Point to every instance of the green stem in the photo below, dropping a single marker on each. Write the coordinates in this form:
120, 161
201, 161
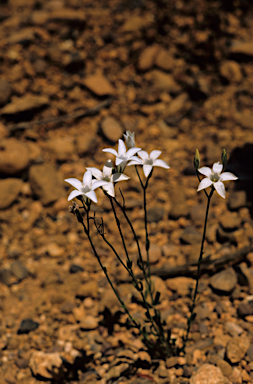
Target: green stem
199, 266
144, 187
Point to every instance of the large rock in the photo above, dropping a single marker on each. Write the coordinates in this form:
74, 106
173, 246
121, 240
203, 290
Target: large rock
99, 85
45, 183
224, 281
9, 191
208, 374
111, 129
164, 81
147, 57
23, 104
237, 348
46, 365
14, 157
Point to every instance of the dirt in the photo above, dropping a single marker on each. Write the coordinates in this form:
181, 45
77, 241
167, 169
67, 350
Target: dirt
74, 76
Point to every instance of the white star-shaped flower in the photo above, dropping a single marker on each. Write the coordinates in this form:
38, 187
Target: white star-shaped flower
108, 177
85, 188
215, 177
149, 161
129, 139
122, 156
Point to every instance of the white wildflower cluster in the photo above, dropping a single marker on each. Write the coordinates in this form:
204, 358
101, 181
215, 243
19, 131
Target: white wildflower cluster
111, 174
128, 154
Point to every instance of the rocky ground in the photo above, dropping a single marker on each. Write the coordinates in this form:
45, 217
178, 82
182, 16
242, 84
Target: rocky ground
75, 75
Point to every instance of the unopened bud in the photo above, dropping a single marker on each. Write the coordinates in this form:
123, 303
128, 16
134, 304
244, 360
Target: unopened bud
224, 158
196, 160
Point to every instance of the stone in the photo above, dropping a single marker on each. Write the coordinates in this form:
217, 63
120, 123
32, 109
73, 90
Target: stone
24, 104
89, 322
54, 250
164, 81
233, 329
14, 157
155, 214
135, 23
26, 326
224, 281
225, 367
230, 221
237, 200
245, 309
190, 236
155, 253
23, 36
242, 48
5, 91
181, 285
46, 365
9, 191
68, 15
164, 60
116, 372
63, 148
208, 374
112, 129
248, 275
19, 270
177, 105
45, 183
74, 268
89, 289
237, 348
5, 276
147, 57
231, 71
99, 85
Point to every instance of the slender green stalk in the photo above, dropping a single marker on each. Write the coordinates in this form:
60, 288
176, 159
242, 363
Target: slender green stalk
87, 232
190, 319
144, 188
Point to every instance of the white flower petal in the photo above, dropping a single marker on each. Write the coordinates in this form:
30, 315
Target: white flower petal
154, 154
206, 171
107, 171
205, 183
134, 162
220, 188
160, 163
118, 160
132, 151
121, 148
119, 177
147, 169
109, 188
98, 183
110, 150
87, 178
217, 167
143, 155
74, 194
92, 196
226, 176
75, 183
96, 173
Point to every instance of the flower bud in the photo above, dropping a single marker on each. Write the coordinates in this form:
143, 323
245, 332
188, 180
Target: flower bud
196, 160
129, 139
224, 158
